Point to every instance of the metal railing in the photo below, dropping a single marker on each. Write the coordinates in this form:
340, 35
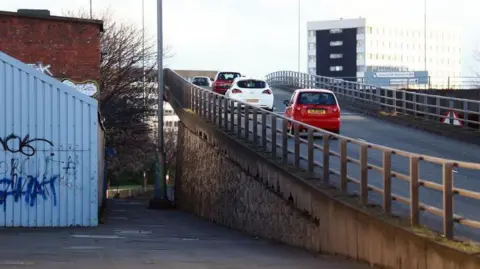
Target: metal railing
271, 133
431, 83
426, 106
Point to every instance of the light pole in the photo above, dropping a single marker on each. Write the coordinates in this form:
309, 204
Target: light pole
160, 201
143, 57
425, 33
143, 78
91, 13
298, 36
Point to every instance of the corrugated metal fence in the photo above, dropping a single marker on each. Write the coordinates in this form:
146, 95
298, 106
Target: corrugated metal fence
48, 150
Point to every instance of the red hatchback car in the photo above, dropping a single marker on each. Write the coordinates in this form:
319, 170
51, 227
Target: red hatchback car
315, 107
223, 81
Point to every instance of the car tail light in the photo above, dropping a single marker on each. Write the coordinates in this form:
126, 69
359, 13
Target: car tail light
335, 109
267, 91
236, 91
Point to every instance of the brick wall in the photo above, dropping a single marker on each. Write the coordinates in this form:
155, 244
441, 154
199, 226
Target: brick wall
72, 49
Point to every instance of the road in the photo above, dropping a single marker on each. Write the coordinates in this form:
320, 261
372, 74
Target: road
380, 132
369, 129
135, 237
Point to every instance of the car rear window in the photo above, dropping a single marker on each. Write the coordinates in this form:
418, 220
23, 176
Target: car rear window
228, 76
316, 98
200, 80
251, 84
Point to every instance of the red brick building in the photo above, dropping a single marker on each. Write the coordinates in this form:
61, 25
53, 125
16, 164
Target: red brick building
69, 46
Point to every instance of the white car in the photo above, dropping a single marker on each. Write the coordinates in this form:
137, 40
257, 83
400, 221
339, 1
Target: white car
255, 92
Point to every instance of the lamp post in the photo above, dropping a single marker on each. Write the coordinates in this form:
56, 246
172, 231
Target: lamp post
91, 13
143, 56
160, 200
298, 45
425, 33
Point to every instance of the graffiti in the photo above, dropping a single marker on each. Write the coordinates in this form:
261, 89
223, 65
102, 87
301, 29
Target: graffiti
16, 184
34, 180
89, 87
45, 69
28, 178
14, 144
71, 166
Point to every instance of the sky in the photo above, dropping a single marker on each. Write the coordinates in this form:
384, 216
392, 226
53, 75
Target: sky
257, 37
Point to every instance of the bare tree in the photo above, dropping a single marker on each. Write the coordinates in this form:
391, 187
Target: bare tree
123, 104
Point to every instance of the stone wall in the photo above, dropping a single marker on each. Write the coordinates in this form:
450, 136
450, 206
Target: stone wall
227, 182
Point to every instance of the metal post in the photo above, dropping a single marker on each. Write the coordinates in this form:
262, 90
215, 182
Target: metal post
364, 174
425, 33
414, 192
387, 182
160, 189
448, 220
299, 36
143, 57
91, 13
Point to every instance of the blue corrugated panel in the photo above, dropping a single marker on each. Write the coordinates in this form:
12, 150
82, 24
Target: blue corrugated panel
48, 150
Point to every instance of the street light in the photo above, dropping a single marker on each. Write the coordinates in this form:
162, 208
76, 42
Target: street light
425, 33
91, 13
160, 200
143, 56
298, 36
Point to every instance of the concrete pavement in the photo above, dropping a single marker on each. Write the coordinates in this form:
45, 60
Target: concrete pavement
135, 237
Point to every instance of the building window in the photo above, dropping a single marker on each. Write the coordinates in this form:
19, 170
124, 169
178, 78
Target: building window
359, 43
336, 43
359, 56
336, 56
335, 31
361, 30
336, 68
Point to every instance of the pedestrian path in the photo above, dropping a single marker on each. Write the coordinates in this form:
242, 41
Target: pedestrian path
135, 237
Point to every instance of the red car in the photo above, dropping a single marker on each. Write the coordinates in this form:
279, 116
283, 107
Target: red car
223, 80
315, 107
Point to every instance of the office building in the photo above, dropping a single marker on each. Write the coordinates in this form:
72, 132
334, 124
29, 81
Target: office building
382, 53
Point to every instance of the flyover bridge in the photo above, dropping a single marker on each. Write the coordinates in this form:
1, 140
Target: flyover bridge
405, 178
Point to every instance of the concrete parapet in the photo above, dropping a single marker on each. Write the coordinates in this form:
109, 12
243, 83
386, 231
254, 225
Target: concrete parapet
231, 183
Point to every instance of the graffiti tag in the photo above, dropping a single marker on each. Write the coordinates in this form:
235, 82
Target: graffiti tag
45, 69
31, 187
22, 177
14, 144
90, 88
